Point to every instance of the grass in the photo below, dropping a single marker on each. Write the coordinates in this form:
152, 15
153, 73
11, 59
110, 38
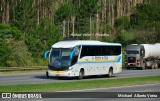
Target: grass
82, 84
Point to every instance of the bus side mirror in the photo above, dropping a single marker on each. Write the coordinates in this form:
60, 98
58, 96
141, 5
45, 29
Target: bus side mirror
72, 53
45, 54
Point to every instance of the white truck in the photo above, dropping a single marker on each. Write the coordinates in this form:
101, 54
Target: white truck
142, 56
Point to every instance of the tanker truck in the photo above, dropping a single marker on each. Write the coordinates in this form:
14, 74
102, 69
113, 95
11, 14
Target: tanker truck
142, 56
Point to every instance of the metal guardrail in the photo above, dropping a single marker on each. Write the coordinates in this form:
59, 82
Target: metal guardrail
3, 69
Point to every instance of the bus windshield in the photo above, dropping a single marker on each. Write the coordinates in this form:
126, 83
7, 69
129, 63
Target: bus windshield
60, 57
132, 52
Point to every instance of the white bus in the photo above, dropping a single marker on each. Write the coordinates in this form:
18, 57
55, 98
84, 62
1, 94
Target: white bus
81, 58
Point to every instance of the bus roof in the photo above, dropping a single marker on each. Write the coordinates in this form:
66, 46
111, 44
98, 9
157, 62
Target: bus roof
69, 44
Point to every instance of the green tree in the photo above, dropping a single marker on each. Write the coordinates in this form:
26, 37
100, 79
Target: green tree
13, 51
46, 34
65, 11
146, 21
86, 9
122, 23
25, 16
4, 52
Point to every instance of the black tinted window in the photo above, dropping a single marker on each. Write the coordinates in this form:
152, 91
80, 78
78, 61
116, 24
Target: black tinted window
100, 50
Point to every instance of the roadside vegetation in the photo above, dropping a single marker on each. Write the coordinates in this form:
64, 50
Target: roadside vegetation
79, 85
29, 27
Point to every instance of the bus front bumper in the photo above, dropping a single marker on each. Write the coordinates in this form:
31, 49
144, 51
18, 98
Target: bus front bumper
54, 73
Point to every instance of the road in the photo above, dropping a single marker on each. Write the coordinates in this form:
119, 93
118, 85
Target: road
39, 77
104, 94
138, 89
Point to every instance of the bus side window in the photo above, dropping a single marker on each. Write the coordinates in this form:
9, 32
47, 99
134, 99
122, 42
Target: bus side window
75, 56
112, 50
84, 51
117, 50
74, 60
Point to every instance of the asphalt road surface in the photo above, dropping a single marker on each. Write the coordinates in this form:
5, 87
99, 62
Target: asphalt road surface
100, 94
138, 89
40, 77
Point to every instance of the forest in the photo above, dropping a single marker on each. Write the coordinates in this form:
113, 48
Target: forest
29, 27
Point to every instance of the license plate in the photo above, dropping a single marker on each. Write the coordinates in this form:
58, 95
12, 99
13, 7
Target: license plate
57, 74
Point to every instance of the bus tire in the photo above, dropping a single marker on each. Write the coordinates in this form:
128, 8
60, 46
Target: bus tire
81, 74
47, 74
152, 66
155, 65
110, 73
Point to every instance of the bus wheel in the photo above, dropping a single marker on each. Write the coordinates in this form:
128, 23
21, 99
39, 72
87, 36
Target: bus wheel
155, 65
81, 74
110, 73
47, 75
152, 66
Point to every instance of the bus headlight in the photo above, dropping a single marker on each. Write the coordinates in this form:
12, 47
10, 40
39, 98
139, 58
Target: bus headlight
70, 68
